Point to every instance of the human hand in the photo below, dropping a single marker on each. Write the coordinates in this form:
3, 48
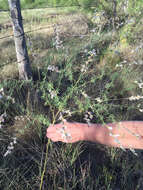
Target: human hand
67, 132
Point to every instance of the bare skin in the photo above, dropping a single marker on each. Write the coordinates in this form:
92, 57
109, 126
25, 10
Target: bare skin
126, 134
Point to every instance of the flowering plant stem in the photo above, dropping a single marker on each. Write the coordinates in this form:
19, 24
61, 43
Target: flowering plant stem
47, 148
45, 163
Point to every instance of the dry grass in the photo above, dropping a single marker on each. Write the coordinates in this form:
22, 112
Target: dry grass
41, 23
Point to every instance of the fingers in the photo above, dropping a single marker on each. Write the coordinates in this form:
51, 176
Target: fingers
53, 135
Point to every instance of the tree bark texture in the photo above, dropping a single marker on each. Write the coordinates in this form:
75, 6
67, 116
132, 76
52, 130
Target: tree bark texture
20, 42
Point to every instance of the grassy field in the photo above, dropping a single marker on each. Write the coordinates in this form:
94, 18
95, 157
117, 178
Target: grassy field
80, 65
47, 3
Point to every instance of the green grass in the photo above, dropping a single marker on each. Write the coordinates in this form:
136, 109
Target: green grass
35, 161
38, 4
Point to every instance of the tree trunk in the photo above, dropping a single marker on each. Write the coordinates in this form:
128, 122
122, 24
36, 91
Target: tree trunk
19, 39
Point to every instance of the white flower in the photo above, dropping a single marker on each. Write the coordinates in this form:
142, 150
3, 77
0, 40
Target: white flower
2, 90
52, 93
58, 43
88, 117
11, 144
7, 152
13, 100
133, 151
65, 135
85, 51
52, 68
99, 100
84, 68
14, 140
93, 30
67, 112
2, 117
135, 97
10, 147
93, 52
119, 65
61, 118
140, 85
85, 95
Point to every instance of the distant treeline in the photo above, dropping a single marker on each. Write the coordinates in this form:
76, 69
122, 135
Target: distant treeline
50, 3
112, 8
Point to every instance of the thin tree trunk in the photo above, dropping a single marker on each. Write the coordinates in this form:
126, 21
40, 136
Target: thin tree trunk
20, 42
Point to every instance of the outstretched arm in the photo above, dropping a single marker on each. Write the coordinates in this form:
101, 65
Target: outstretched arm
128, 134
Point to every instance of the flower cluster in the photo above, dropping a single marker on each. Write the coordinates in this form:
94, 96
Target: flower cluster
93, 30
10, 98
85, 95
53, 93
121, 64
30, 45
68, 112
90, 54
61, 115
135, 98
140, 84
2, 119
99, 100
63, 131
2, 95
53, 68
11, 146
140, 62
58, 43
98, 17
133, 151
84, 68
65, 135
88, 117
21, 118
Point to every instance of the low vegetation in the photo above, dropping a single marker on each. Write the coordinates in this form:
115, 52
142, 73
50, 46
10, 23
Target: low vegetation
87, 67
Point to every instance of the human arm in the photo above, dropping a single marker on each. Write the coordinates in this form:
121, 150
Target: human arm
128, 134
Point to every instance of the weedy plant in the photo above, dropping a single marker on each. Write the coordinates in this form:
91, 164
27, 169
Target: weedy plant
94, 82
